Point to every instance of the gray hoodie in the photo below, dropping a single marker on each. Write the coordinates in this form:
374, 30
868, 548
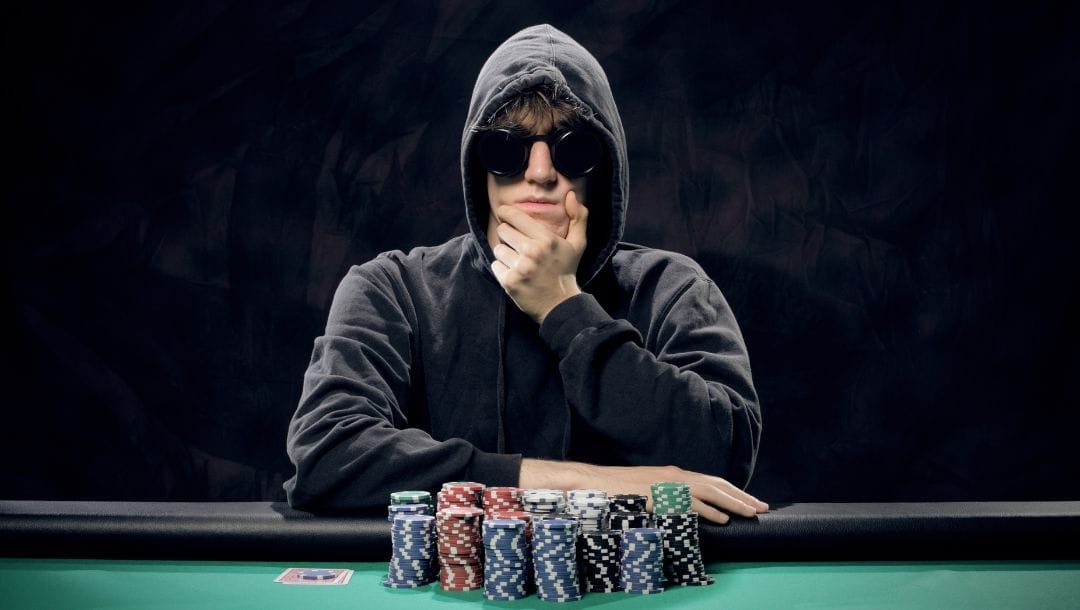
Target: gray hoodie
428, 373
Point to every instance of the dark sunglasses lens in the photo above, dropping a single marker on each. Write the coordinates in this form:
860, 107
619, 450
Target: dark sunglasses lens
577, 153
502, 153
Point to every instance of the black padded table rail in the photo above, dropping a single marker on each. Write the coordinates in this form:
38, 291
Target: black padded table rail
797, 532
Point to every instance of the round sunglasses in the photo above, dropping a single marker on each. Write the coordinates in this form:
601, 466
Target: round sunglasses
574, 152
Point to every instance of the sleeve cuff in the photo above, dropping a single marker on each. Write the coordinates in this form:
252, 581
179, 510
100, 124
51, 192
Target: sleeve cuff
569, 318
495, 469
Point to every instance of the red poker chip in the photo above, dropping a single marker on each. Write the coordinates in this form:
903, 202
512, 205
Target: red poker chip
469, 485
460, 542
462, 588
463, 569
459, 535
458, 561
460, 512
514, 514
459, 551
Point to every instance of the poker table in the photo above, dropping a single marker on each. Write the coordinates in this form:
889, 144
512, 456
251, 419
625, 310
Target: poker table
227, 555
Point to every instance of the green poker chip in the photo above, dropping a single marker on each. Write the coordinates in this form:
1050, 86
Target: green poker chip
410, 497
670, 498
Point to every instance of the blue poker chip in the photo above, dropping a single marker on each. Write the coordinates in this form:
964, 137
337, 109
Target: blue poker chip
314, 574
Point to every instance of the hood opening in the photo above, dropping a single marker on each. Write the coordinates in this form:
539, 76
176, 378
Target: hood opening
536, 56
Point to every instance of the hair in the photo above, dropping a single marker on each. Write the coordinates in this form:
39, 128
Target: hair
539, 108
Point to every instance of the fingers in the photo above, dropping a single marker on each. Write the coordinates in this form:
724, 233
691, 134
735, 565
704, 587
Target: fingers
738, 494
709, 513
506, 255
579, 216
517, 219
512, 237
715, 497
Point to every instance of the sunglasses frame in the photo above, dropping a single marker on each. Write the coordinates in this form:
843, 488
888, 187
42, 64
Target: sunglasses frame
553, 140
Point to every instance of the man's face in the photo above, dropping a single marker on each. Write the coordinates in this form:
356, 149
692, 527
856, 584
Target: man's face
540, 190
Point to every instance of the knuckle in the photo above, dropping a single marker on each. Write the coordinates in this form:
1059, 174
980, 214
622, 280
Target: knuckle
526, 267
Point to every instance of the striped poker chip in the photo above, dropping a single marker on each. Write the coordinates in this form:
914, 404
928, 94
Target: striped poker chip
589, 507
671, 498
642, 561
555, 559
497, 499
599, 558
413, 557
460, 547
625, 520
506, 567
405, 509
629, 503
683, 564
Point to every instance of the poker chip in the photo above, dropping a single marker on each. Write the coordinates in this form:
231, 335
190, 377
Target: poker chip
629, 503
512, 543
671, 498
406, 509
506, 559
554, 554
314, 574
460, 546
622, 520
589, 507
459, 493
683, 564
413, 497
501, 499
543, 503
413, 560
642, 560
599, 559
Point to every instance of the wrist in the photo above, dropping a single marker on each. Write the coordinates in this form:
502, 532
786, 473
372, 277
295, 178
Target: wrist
551, 474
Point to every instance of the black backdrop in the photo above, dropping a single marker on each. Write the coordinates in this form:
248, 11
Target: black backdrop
884, 193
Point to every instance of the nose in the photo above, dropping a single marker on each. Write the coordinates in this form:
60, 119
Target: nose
540, 169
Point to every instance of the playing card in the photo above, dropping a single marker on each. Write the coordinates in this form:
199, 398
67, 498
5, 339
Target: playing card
315, 576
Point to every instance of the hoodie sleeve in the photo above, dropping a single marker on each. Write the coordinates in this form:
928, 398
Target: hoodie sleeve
687, 401
350, 438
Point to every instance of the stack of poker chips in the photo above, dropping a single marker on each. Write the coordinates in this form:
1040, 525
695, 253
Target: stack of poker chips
413, 561
683, 564
589, 507
460, 493
682, 549
505, 566
460, 548
599, 555
527, 519
500, 500
543, 503
629, 503
642, 560
628, 511
671, 498
555, 560
413, 497
405, 509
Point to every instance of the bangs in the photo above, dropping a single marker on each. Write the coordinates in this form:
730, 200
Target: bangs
538, 110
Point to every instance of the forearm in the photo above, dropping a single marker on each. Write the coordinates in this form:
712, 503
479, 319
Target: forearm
696, 408
711, 495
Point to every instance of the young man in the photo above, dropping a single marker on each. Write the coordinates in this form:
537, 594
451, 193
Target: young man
538, 350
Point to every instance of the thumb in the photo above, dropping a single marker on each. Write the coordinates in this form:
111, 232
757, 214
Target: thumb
579, 215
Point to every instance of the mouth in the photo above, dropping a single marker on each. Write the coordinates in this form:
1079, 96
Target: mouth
537, 201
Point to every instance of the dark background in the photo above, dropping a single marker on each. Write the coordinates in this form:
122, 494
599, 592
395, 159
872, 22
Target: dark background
884, 193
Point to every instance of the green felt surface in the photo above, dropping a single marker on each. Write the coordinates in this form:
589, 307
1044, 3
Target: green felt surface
73, 583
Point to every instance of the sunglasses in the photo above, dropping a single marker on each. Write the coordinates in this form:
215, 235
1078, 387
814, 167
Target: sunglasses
574, 152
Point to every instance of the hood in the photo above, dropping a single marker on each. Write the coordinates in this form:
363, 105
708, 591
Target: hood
537, 55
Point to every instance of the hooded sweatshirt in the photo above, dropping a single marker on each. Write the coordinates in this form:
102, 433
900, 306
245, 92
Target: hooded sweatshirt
427, 371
